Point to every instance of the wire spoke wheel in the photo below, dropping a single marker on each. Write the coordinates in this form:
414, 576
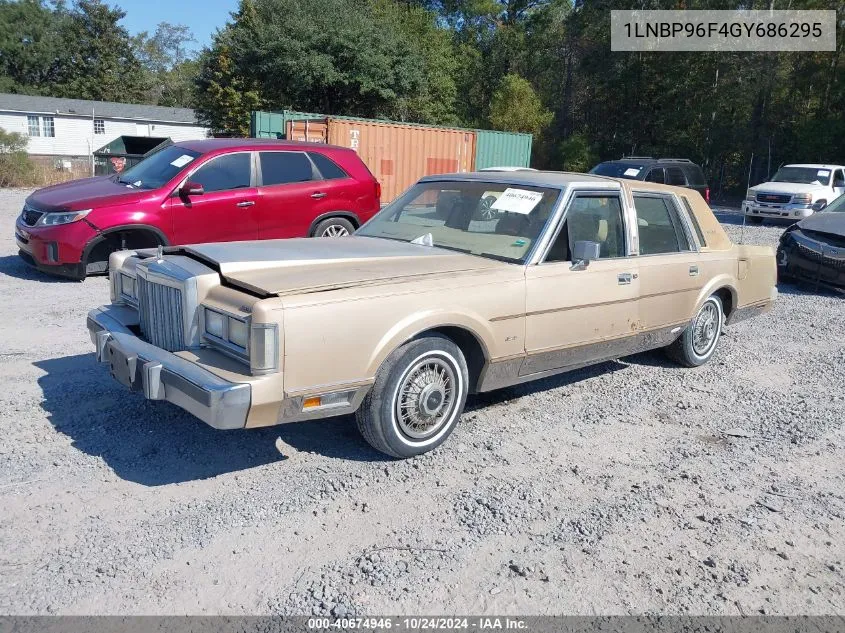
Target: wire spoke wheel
335, 230
705, 329
425, 399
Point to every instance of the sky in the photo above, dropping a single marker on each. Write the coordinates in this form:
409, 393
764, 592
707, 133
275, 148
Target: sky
203, 17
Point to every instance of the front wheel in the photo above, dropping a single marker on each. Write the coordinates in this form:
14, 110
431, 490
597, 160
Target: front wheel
752, 219
417, 398
698, 342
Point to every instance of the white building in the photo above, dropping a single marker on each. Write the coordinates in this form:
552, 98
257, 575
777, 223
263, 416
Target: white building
63, 133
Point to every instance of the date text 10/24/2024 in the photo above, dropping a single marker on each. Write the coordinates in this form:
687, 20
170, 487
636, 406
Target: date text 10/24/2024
419, 623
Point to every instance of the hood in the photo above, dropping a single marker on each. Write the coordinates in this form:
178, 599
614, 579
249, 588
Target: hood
786, 187
832, 223
86, 193
283, 267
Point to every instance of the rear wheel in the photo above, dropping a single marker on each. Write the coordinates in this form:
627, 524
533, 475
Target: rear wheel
417, 398
698, 342
334, 227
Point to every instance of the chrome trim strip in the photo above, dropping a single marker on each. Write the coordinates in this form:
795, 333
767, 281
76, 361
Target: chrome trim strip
499, 374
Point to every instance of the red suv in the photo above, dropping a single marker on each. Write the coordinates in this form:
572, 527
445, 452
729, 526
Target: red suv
214, 190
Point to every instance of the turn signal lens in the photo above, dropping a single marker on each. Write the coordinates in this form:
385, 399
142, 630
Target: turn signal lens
310, 403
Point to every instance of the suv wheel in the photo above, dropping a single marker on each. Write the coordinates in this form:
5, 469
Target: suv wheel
334, 227
417, 398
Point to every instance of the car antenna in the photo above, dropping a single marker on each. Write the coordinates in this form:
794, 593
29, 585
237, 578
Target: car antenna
744, 215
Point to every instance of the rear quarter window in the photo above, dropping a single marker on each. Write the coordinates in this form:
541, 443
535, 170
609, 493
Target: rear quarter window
695, 176
694, 220
675, 176
328, 169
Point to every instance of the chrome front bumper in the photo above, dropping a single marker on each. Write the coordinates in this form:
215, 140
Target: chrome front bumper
789, 210
161, 375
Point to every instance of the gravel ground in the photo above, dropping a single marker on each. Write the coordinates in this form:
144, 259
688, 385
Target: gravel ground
612, 490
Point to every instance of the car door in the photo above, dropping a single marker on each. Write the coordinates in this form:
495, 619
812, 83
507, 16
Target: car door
292, 194
670, 272
225, 210
577, 316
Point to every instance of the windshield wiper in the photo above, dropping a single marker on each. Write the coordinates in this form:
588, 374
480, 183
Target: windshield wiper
125, 182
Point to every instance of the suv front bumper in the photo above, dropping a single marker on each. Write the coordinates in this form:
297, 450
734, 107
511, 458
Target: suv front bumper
162, 375
789, 210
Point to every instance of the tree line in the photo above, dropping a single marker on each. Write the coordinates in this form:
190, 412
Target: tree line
538, 66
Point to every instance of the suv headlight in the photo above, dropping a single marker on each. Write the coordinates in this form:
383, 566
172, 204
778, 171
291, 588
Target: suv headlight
803, 198
750, 195
56, 219
256, 344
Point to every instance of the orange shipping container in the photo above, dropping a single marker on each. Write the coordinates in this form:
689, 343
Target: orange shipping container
397, 154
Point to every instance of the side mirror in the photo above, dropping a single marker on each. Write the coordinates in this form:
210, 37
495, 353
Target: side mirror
191, 189
583, 252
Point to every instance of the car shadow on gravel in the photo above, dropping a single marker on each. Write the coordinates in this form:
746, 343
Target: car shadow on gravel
156, 443
14, 266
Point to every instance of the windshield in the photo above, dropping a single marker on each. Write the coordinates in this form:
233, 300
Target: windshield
159, 168
803, 175
630, 171
493, 220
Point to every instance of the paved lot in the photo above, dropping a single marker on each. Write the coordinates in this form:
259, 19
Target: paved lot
611, 490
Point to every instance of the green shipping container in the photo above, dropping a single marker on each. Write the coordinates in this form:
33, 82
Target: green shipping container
502, 149
493, 149
273, 124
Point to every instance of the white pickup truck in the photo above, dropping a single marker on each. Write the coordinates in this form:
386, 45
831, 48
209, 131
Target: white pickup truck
795, 192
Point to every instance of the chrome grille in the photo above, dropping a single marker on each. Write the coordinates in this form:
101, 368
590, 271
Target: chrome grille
30, 216
160, 312
776, 198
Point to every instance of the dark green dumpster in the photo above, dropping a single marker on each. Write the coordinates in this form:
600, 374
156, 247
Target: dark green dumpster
125, 151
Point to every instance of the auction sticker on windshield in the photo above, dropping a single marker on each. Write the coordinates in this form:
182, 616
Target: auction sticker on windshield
632, 171
517, 201
183, 160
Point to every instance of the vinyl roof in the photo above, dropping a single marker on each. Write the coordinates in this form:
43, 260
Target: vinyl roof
559, 179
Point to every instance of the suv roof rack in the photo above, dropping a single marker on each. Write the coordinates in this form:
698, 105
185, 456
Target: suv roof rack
636, 158
674, 160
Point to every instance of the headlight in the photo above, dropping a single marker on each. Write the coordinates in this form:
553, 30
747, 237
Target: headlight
55, 219
254, 343
750, 195
803, 198
215, 324
127, 286
238, 332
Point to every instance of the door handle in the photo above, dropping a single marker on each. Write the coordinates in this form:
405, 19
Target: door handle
245, 203
624, 278
693, 271
319, 194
